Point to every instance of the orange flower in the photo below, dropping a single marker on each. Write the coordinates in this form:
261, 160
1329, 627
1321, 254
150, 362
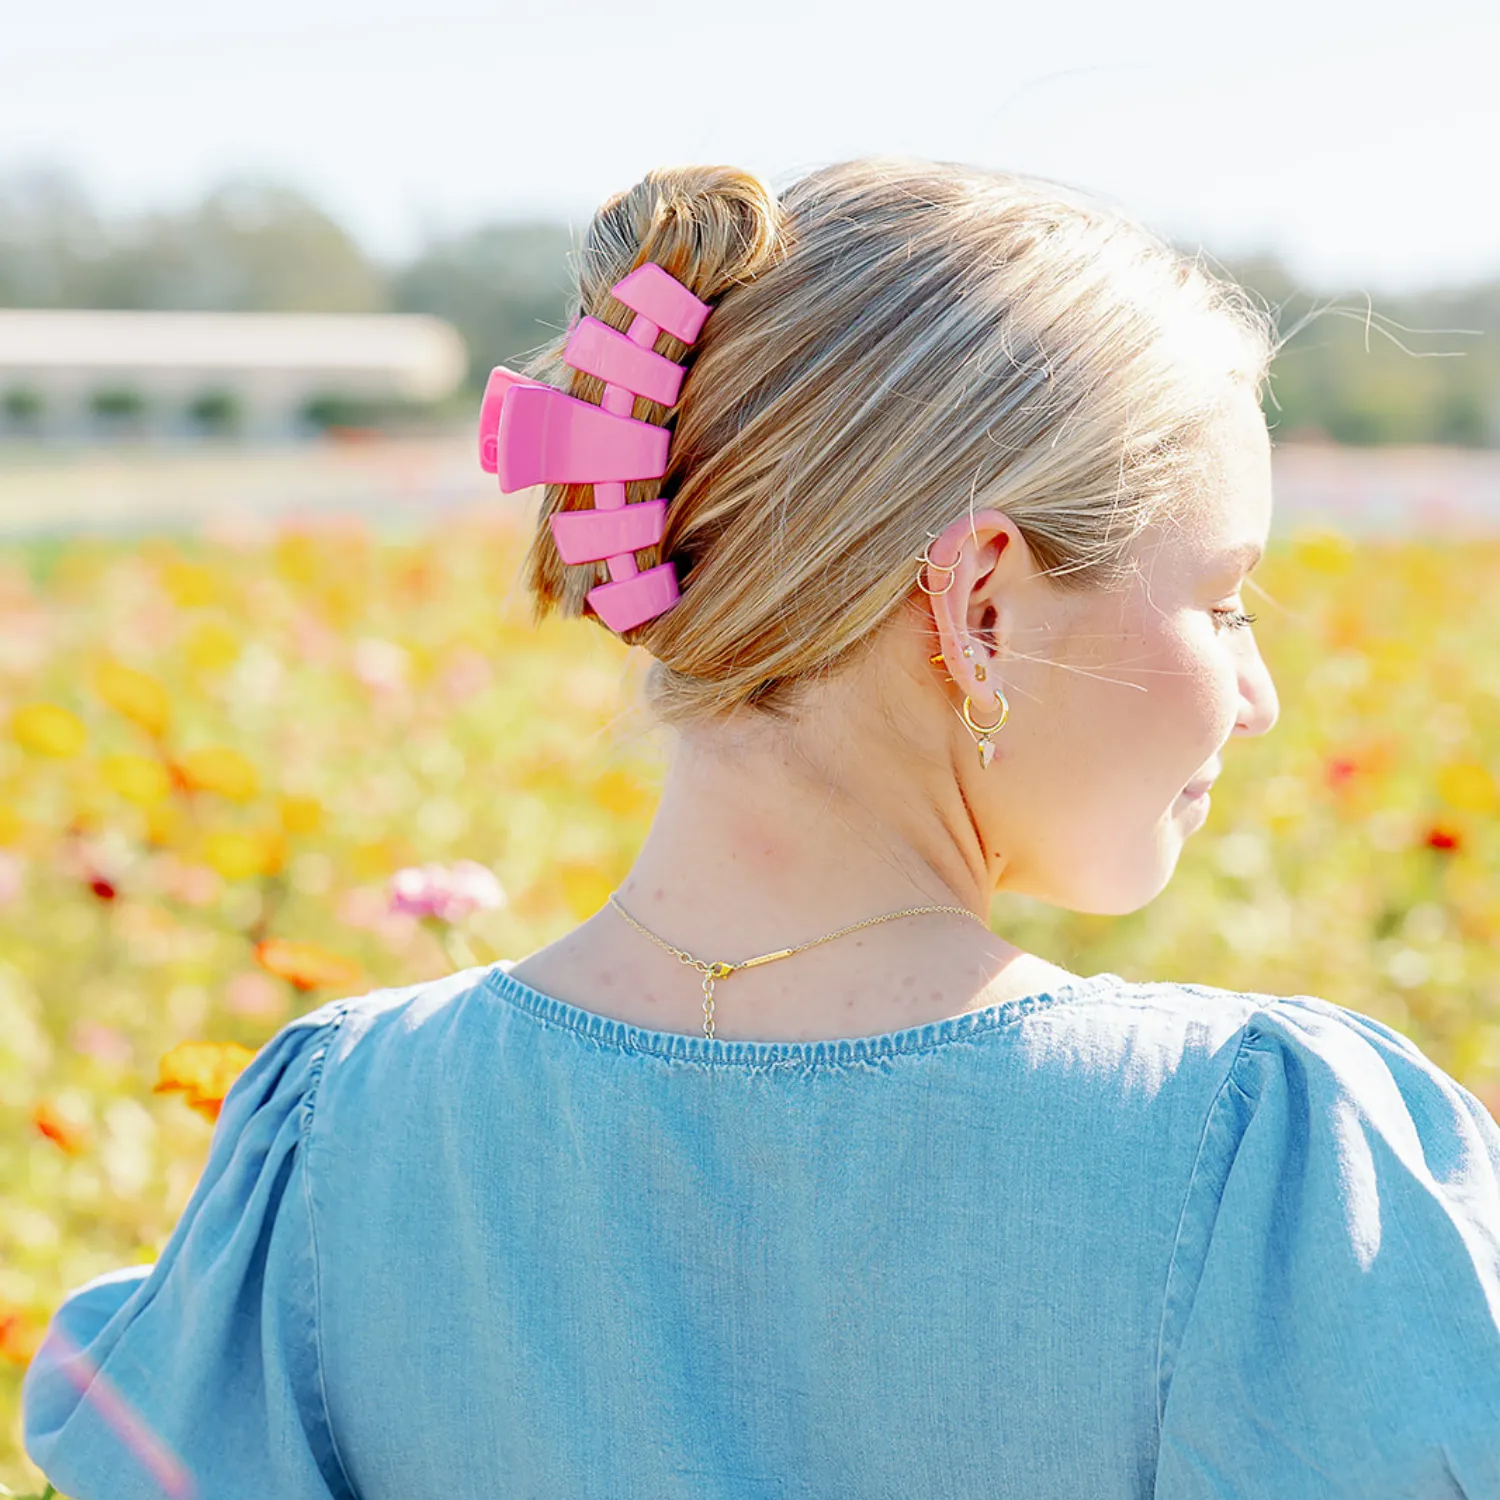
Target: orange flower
70, 1137
139, 697
202, 1072
305, 966
216, 768
20, 1337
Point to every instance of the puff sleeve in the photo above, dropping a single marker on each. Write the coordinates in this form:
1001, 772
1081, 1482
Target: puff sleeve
1331, 1324
199, 1375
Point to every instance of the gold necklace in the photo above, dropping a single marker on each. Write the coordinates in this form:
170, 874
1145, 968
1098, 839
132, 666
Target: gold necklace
721, 970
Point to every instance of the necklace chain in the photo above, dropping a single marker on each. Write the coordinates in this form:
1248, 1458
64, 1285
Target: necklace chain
722, 970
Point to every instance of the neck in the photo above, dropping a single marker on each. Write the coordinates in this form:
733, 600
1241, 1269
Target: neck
756, 847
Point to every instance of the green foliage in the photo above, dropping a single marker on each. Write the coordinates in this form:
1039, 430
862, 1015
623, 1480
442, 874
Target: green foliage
216, 411
248, 246
506, 287
117, 401
22, 404
1421, 368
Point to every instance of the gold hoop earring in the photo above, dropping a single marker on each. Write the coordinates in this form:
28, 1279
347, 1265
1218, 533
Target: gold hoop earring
949, 568
984, 731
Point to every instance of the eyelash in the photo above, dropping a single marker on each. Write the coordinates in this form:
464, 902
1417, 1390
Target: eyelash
1237, 618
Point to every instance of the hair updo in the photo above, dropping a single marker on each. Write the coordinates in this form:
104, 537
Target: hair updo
893, 344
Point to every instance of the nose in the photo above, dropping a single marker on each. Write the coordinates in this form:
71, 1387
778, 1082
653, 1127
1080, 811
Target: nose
1261, 707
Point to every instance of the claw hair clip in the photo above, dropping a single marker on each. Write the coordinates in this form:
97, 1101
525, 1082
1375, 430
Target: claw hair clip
531, 433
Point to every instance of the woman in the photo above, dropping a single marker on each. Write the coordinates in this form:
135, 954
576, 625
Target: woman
965, 480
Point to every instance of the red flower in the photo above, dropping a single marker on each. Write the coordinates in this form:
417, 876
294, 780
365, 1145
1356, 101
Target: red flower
1339, 770
1444, 839
59, 1130
102, 888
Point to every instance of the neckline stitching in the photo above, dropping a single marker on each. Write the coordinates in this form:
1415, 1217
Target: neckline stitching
626, 1036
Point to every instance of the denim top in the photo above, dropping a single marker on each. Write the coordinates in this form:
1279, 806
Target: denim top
1126, 1239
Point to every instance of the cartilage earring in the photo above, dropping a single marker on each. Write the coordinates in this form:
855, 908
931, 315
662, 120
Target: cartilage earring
927, 562
982, 732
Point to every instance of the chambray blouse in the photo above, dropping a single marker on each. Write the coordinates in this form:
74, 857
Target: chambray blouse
1126, 1239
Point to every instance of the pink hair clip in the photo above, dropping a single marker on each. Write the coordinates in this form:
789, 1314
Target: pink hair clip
531, 433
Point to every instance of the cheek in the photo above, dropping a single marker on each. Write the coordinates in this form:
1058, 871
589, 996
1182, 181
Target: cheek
1166, 688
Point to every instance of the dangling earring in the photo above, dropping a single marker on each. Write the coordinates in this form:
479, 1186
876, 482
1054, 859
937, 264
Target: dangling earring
982, 732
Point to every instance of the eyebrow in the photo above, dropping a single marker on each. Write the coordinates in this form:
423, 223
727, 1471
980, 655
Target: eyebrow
1247, 554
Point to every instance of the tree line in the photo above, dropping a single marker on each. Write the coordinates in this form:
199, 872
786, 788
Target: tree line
1417, 368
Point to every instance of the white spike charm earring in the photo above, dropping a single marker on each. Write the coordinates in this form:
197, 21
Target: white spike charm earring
983, 732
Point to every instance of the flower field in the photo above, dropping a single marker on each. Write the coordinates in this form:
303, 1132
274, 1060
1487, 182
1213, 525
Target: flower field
245, 772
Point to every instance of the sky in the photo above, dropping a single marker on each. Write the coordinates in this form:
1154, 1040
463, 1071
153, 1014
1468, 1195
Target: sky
1358, 141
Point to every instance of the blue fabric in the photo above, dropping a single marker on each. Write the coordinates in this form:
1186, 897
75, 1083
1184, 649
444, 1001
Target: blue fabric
1128, 1239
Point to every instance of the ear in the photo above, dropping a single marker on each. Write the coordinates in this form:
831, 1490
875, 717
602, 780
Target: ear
989, 557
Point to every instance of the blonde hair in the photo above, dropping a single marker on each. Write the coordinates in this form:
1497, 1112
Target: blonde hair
894, 344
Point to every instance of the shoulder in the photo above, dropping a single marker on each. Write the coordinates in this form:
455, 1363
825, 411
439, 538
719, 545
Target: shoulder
1243, 1029
1161, 1026
367, 1049
1344, 1185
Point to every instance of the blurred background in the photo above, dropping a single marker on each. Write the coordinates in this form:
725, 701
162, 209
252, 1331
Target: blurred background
275, 726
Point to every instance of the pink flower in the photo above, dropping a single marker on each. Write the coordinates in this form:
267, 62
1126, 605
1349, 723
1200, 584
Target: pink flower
364, 907
449, 893
255, 994
381, 665
192, 884
467, 672
101, 1041
11, 871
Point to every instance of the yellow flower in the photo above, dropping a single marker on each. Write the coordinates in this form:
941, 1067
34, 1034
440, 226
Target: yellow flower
296, 558
1328, 552
586, 888
301, 814
202, 1072
47, 729
141, 698
216, 768
212, 647
239, 855
136, 778
190, 584
621, 794
165, 825
12, 825
374, 859
1469, 787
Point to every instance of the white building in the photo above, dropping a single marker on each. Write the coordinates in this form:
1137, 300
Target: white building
76, 375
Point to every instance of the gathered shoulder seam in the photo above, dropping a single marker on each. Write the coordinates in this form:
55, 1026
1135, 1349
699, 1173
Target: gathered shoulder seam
328, 1032
1173, 1270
